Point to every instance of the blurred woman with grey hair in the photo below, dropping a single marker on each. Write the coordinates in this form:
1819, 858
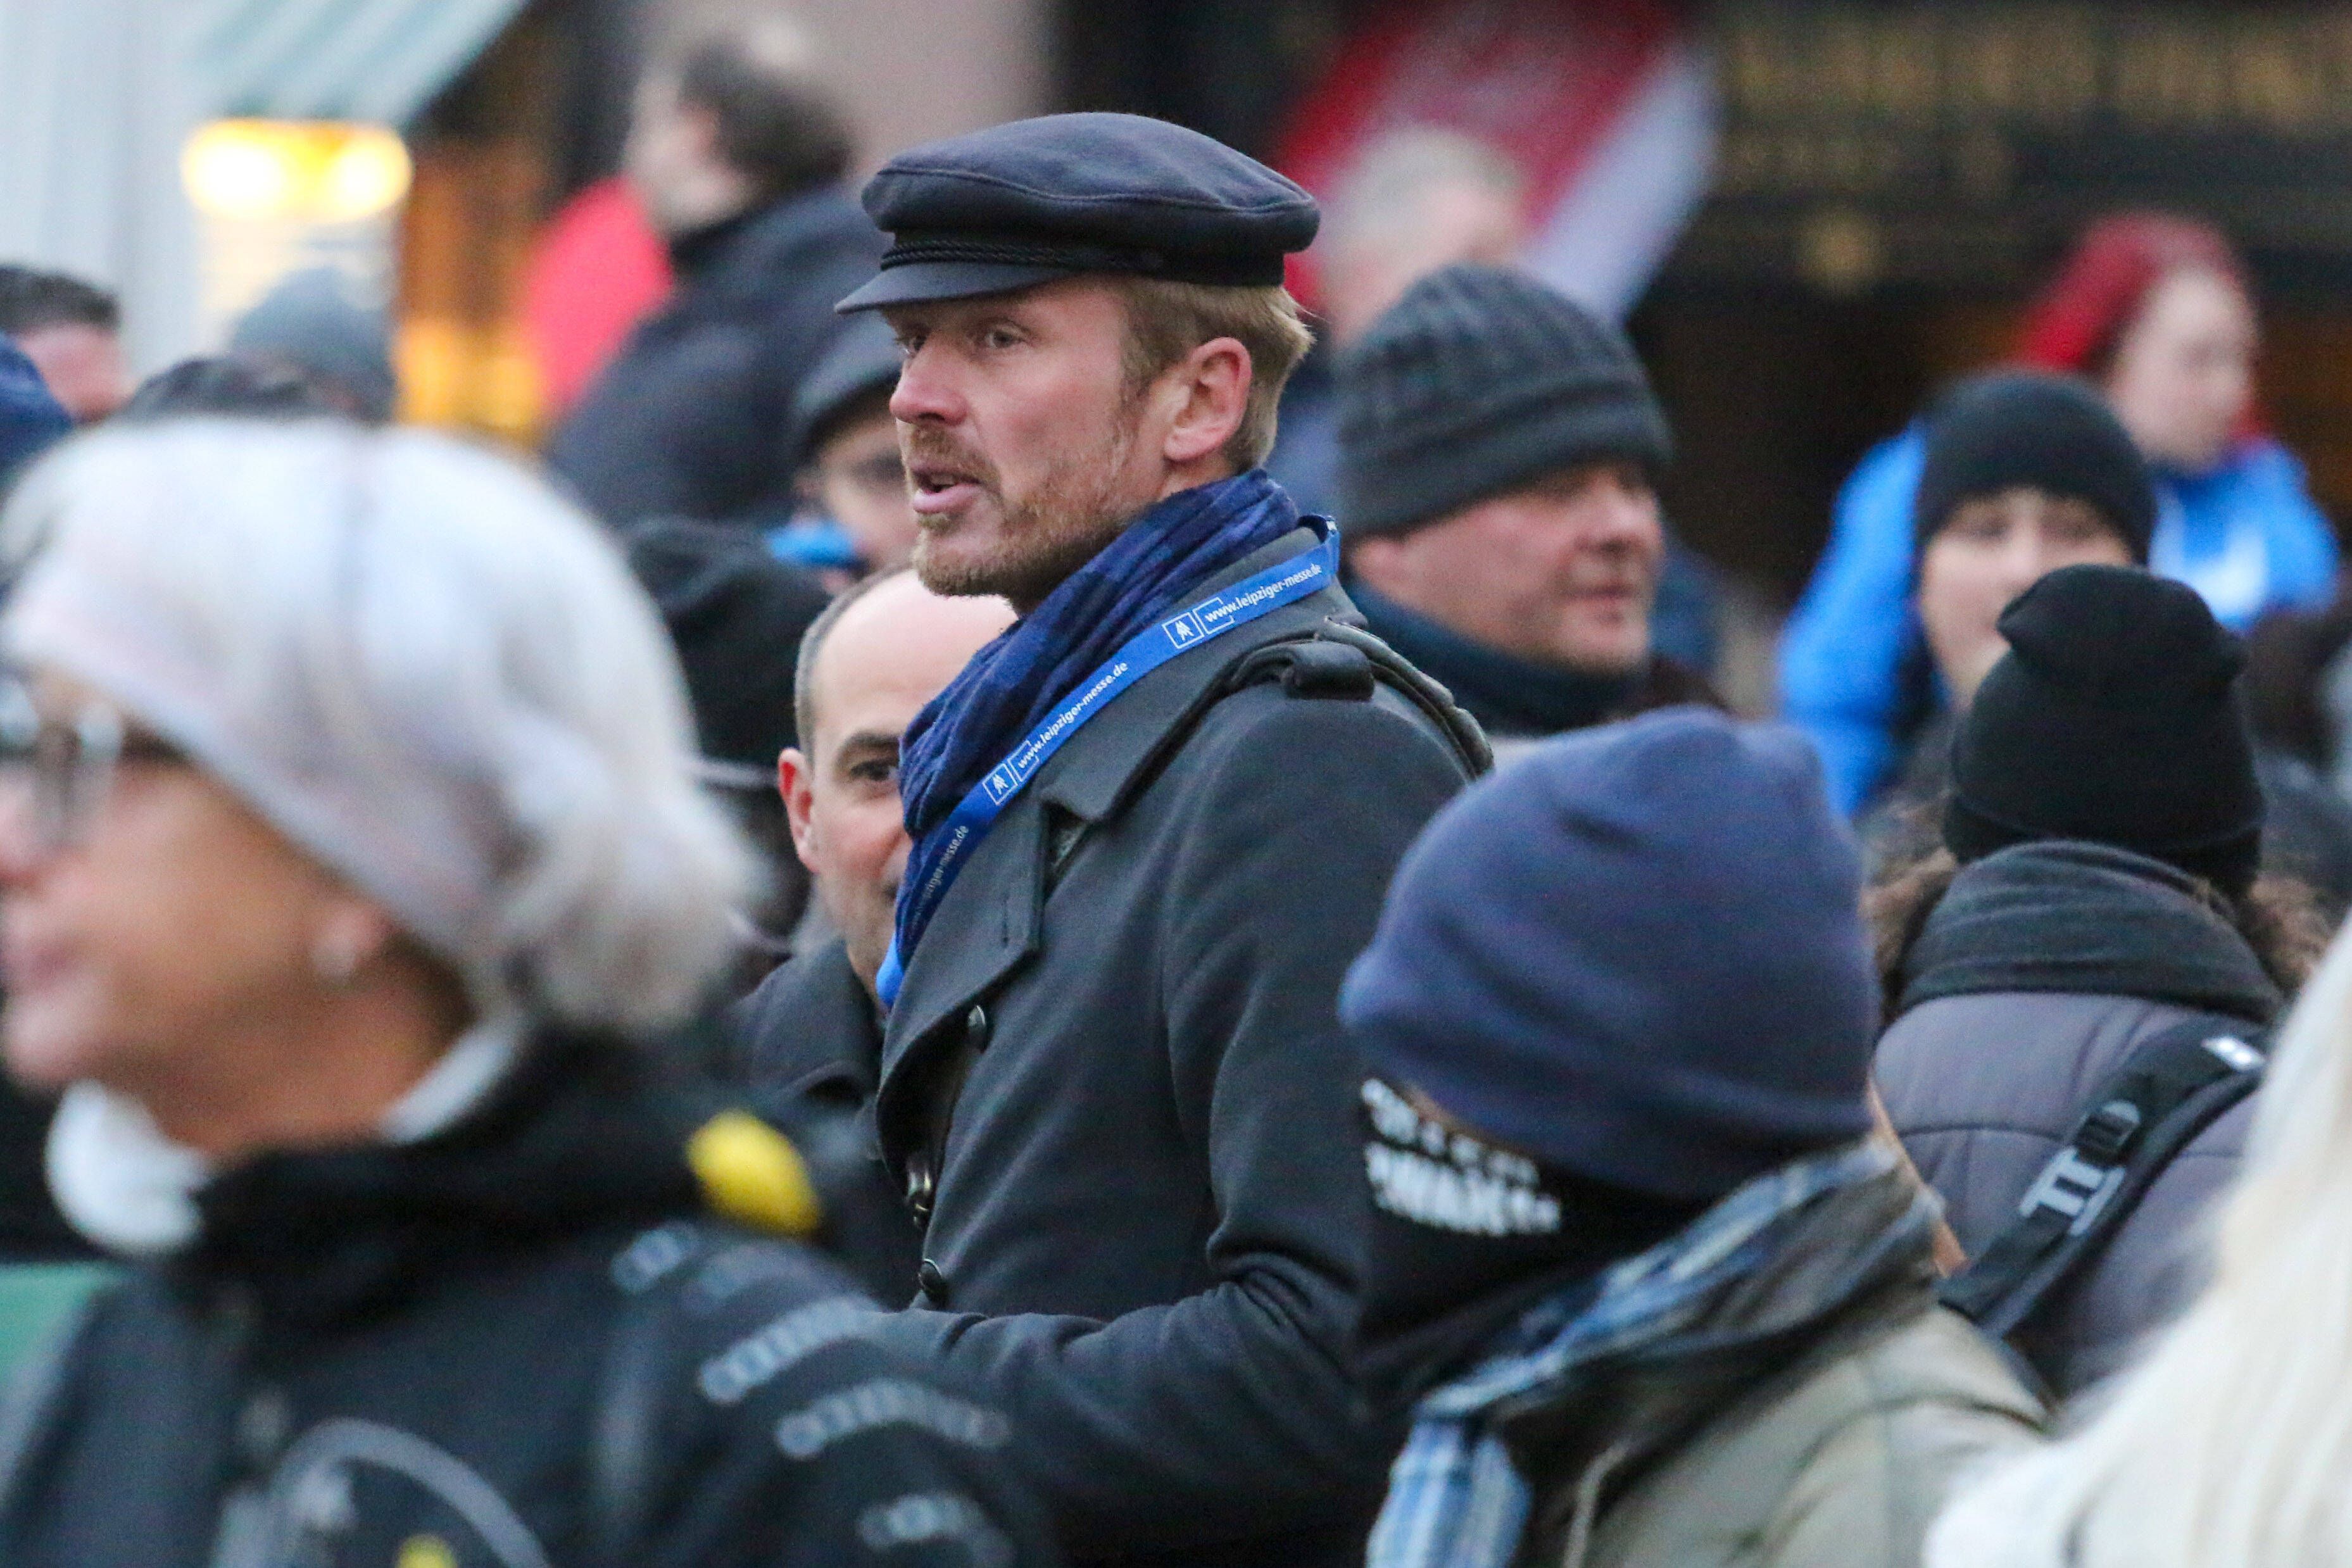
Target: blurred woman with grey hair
351, 877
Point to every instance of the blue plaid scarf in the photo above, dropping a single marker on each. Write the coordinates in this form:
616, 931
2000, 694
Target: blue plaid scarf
1455, 1501
1010, 686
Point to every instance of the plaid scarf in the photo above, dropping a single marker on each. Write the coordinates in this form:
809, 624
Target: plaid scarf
1455, 1501
1011, 686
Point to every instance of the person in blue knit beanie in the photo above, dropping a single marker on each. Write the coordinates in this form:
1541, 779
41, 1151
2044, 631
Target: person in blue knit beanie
1646, 1285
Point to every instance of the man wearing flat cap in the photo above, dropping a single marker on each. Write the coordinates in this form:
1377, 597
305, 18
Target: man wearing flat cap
1151, 825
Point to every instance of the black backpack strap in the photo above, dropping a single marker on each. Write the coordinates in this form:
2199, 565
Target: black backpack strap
1337, 660
2172, 1088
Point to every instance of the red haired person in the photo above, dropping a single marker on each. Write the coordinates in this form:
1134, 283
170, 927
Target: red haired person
2157, 312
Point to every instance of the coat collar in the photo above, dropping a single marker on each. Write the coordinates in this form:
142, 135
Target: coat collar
989, 920
820, 1025
586, 1133
1095, 775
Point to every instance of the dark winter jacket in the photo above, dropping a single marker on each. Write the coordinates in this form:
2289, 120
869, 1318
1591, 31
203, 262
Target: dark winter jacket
1143, 1236
689, 419
1815, 1417
519, 1341
2040, 972
31, 1230
1514, 700
808, 1047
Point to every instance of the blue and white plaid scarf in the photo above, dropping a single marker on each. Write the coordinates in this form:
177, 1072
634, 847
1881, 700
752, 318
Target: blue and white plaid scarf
1455, 1501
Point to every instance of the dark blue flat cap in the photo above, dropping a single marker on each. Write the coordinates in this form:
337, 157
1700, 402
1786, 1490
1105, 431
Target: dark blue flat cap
1064, 194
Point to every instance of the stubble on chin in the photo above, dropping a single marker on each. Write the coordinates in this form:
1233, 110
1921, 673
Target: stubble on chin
1049, 535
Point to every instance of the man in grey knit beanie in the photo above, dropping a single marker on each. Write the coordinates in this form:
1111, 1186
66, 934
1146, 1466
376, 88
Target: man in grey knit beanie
1499, 451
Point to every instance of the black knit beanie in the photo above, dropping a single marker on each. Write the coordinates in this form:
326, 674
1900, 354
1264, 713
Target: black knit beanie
2115, 717
2056, 434
1481, 379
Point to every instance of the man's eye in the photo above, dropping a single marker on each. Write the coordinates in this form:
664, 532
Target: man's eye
1000, 338
874, 772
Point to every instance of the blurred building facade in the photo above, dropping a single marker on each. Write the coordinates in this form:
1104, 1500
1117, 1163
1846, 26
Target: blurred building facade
1816, 210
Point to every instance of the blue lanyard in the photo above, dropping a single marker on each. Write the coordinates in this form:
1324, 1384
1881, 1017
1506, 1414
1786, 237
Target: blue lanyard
1282, 583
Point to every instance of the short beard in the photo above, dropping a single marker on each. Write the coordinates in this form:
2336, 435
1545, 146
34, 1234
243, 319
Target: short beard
1073, 515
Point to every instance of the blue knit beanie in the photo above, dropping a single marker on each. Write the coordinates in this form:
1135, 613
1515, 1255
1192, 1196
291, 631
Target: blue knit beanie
1635, 954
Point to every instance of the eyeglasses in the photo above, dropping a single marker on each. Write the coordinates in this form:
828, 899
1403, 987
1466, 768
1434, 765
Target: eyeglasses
59, 772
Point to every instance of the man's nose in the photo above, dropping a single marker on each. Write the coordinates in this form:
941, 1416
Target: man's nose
1625, 518
925, 389
2031, 557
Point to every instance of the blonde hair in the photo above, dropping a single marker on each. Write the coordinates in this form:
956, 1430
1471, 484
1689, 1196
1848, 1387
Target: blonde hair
424, 668
1167, 320
2229, 1444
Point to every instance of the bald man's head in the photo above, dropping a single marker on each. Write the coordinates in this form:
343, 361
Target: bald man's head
868, 666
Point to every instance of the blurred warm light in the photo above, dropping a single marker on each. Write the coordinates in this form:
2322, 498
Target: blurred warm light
315, 171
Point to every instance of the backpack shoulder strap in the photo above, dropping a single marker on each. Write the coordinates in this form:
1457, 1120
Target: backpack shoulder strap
2174, 1086
1337, 660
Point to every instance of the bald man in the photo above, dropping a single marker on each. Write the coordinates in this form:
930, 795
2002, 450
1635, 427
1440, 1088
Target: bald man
811, 1036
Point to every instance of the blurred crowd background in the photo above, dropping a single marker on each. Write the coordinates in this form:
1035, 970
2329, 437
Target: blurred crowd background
1808, 214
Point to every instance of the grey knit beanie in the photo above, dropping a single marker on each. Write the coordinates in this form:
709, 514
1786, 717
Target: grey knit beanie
1478, 380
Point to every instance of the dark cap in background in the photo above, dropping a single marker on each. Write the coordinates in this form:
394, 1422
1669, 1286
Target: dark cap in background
2013, 429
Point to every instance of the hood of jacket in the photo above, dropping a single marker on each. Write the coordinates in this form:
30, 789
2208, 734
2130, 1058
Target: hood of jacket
583, 1137
2087, 919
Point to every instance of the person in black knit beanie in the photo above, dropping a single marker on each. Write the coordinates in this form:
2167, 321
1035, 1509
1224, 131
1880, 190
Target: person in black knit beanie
2024, 473
2116, 716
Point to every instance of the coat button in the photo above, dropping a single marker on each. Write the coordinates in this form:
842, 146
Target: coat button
975, 1027
933, 1282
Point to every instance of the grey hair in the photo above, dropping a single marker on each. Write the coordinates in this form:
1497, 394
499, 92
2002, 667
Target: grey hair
420, 664
1379, 196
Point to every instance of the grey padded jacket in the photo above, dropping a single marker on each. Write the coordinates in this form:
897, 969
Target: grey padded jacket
2011, 1017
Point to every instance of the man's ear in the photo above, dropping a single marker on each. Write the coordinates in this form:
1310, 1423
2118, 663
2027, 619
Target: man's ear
792, 777
1210, 388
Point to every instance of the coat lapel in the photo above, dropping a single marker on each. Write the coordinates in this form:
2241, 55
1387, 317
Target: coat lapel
990, 921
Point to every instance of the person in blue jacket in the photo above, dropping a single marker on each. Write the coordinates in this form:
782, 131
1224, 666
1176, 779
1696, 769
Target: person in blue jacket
31, 418
2159, 312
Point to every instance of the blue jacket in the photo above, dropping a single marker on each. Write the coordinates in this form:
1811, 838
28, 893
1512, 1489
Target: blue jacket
2245, 535
30, 419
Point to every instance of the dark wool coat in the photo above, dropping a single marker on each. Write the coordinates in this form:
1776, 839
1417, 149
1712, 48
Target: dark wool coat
689, 419
807, 1047
517, 1343
1144, 1232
